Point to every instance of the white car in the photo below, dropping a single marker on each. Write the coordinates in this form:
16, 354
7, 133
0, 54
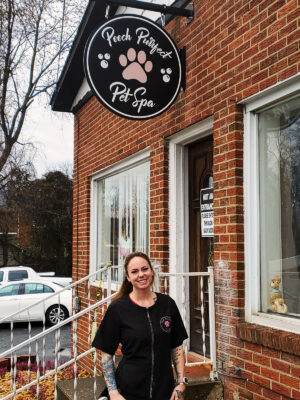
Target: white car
14, 296
16, 273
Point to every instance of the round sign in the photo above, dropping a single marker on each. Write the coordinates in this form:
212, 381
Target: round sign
133, 67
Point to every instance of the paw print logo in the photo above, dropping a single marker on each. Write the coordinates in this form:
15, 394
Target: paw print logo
166, 74
136, 66
104, 58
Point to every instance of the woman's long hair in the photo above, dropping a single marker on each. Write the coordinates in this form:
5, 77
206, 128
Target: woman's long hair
126, 286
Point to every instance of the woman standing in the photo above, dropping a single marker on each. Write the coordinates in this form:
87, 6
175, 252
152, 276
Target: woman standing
150, 329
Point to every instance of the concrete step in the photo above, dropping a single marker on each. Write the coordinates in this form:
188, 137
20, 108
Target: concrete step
204, 391
85, 388
201, 390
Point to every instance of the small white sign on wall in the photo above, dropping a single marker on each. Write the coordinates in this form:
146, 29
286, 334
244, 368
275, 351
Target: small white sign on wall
207, 212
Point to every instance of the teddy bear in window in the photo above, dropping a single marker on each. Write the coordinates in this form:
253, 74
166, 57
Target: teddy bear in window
276, 299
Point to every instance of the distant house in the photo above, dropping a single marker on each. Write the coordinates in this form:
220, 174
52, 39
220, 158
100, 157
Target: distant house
233, 134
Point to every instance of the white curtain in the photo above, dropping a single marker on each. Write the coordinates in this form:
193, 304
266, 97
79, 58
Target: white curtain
123, 217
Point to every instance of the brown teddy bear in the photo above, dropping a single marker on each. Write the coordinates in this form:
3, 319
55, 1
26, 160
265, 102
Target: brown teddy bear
276, 299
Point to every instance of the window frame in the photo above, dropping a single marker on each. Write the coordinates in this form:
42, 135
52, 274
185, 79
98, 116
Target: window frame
17, 271
278, 93
116, 168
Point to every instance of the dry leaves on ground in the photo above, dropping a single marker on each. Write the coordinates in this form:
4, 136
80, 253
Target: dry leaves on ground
46, 387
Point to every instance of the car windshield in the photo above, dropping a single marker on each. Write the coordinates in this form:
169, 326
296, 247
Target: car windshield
1, 276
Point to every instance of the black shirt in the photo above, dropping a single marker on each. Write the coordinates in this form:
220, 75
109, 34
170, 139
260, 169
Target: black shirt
147, 336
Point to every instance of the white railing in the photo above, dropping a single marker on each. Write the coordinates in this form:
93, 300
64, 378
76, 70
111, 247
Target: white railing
83, 355
31, 347
184, 305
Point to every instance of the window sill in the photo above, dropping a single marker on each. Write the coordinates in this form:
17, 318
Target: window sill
269, 337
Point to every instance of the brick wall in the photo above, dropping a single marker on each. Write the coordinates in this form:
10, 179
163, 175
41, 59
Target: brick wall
234, 49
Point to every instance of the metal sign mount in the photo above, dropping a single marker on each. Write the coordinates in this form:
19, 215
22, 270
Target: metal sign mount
162, 8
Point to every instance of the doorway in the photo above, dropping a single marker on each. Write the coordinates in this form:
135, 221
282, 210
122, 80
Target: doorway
187, 148
200, 176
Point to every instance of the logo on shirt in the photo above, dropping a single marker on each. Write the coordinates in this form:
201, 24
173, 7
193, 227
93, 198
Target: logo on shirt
165, 324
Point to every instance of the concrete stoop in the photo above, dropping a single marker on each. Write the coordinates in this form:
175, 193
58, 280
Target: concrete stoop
85, 388
203, 390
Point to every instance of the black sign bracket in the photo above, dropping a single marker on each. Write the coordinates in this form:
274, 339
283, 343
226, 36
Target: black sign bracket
162, 8
182, 54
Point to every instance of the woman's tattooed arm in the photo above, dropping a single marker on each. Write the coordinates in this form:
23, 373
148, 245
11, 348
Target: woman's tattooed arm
108, 371
180, 394
178, 361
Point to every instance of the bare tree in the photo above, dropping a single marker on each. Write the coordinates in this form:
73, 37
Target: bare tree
35, 35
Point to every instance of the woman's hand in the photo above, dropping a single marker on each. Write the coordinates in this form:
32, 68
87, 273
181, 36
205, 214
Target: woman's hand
115, 395
178, 392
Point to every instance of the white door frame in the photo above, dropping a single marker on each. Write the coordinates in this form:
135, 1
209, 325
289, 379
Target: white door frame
178, 208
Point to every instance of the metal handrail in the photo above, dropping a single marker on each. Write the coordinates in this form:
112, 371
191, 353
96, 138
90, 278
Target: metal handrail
48, 374
12, 351
72, 285
55, 327
211, 303
185, 273
87, 309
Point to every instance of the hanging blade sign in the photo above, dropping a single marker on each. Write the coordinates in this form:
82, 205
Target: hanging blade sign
133, 67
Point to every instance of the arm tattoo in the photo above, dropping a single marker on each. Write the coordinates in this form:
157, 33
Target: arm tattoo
180, 394
108, 371
177, 355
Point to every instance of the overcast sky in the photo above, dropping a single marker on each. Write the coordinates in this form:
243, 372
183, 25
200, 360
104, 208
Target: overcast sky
52, 135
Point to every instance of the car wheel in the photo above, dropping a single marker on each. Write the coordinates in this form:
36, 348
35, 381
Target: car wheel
56, 314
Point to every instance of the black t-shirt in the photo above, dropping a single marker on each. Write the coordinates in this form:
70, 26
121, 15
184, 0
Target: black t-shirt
147, 336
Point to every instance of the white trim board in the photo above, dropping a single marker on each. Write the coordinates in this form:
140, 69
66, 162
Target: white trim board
128, 162
178, 207
271, 94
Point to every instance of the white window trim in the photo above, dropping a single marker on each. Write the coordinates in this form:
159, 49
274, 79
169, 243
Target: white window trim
266, 98
120, 166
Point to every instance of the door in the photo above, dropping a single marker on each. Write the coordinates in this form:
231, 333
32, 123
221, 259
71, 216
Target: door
33, 293
200, 156
10, 300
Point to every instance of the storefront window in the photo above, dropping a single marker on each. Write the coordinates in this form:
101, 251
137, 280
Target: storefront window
279, 208
123, 215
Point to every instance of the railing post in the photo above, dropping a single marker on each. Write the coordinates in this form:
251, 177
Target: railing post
212, 322
156, 282
109, 272
184, 314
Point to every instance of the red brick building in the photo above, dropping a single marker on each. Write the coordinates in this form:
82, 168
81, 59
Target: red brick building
235, 128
